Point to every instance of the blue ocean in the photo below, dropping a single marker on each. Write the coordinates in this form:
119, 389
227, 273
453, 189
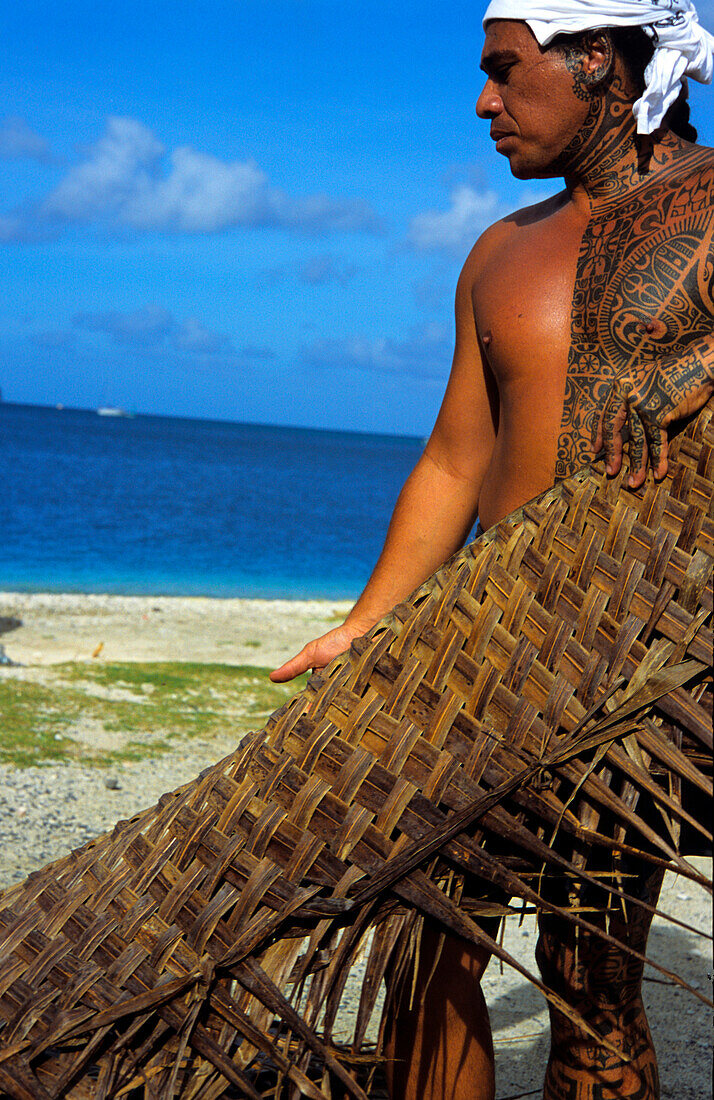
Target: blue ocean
153, 505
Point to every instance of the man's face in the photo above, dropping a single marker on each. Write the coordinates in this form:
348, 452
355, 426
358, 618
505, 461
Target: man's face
529, 96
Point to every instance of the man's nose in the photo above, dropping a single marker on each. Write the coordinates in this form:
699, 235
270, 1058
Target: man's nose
489, 103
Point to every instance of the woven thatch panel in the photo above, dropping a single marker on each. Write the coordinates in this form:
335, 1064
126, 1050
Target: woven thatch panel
538, 705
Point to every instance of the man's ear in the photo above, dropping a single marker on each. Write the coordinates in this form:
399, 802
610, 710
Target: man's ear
590, 57
598, 59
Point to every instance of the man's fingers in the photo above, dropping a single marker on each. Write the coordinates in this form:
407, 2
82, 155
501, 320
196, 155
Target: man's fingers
317, 654
286, 672
638, 452
597, 436
650, 407
613, 421
657, 442
301, 662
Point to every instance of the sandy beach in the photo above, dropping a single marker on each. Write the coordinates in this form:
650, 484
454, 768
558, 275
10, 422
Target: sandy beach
50, 807
42, 629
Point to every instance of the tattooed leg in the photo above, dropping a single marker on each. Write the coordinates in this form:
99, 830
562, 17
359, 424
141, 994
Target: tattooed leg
604, 986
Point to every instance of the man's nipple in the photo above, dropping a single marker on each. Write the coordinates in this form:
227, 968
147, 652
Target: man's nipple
652, 326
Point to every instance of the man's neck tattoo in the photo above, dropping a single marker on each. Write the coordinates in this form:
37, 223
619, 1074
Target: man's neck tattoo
606, 157
603, 156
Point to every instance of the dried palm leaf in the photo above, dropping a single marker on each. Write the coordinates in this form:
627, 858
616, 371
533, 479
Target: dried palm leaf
535, 713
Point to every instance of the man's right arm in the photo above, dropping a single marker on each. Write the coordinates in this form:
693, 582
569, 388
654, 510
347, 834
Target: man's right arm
439, 501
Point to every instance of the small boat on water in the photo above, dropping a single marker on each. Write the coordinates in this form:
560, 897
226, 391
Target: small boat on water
111, 410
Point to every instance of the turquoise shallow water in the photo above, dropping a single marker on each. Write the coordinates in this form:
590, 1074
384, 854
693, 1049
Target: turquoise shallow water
190, 507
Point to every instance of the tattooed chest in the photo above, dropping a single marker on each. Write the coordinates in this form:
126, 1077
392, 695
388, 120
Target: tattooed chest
643, 288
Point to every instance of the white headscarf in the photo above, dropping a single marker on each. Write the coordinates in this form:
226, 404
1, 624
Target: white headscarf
682, 46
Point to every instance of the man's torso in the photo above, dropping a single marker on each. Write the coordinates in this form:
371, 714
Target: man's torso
565, 301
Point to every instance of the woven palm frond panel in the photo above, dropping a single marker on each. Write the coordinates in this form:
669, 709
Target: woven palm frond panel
535, 714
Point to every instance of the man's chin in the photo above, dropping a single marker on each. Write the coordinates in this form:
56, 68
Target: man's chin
525, 171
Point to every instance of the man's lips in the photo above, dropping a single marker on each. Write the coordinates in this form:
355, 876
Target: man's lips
499, 136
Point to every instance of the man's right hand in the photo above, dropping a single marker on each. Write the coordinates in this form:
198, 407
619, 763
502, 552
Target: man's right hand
648, 399
318, 653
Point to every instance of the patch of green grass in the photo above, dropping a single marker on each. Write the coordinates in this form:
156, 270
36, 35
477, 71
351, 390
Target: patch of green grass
104, 713
32, 726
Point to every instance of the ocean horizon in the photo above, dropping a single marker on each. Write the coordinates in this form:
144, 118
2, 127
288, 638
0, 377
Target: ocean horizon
157, 505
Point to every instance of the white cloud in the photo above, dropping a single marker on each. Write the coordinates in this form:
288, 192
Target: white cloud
326, 268
425, 353
121, 166
128, 180
19, 142
317, 270
471, 211
152, 333
154, 328
455, 229
12, 228
193, 336
140, 327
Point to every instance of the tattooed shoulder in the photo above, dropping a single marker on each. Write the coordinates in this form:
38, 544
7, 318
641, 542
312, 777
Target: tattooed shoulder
644, 288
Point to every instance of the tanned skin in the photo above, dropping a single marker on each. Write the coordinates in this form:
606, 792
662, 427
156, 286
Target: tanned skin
591, 311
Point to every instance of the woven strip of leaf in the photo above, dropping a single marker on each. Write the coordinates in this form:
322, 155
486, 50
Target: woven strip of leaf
529, 717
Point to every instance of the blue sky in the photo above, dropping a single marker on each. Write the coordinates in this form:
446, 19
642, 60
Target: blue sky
251, 210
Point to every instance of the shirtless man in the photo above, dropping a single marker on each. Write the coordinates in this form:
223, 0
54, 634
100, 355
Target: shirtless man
589, 310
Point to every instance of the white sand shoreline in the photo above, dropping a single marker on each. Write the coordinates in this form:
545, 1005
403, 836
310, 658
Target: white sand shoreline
57, 627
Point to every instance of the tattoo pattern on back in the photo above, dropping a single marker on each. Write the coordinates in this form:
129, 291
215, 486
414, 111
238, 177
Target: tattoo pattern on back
644, 286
